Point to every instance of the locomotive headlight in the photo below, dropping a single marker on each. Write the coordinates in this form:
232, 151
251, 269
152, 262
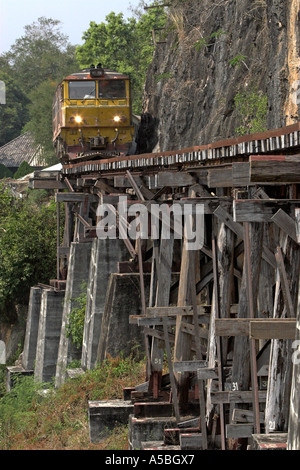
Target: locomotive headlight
117, 119
78, 119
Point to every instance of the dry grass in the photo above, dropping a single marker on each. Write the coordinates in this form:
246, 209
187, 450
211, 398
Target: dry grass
59, 421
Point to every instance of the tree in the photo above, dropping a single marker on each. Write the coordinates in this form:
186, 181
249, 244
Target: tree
43, 53
40, 112
122, 45
5, 172
23, 170
27, 248
37, 62
13, 114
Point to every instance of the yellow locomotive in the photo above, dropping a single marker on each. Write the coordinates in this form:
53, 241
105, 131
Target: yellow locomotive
92, 115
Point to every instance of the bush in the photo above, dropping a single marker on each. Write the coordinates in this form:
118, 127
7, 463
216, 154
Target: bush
23, 170
5, 172
251, 107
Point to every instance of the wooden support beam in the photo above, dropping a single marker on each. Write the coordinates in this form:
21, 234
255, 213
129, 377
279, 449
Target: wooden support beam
188, 366
237, 397
275, 170
284, 283
297, 217
238, 431
285, 223
261, 210
75, 197
175, 179
274, 327
245, 416
202, 310
51, 183
220, 177
240, 174
272, 330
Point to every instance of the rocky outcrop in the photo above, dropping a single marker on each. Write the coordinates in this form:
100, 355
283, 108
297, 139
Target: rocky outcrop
214, 49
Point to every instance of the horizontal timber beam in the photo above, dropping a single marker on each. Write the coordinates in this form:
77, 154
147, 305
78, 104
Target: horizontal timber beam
258, 328
261, 210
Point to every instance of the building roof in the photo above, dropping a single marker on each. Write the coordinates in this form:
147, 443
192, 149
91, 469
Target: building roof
20, 149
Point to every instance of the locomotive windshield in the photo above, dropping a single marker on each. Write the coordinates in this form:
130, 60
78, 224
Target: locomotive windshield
110, 89
82, 90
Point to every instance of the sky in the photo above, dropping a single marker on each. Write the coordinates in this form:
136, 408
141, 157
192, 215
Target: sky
75, 16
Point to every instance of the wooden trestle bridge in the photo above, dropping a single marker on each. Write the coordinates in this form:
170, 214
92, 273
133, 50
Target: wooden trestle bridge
225, 315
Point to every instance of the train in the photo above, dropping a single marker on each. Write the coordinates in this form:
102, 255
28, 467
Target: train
92, 116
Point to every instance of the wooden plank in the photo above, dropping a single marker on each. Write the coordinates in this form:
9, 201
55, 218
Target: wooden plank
245, 416
286, 223
172, 310
188, 366
261, 210
190, 328
158, 334
241, 326
272, 330
275, 171
237, 228
227, 219
35, 183
206, 373
297, 217
237, 431
75, 197
237, 397
284, 283
251, 300
220, 177
240, 174
175, 179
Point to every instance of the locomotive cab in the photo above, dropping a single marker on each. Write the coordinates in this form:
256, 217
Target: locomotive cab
92, 115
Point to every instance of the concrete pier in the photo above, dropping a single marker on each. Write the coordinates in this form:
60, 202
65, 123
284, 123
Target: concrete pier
142, 430
105, 255
123, 297
104, 415
32, 326
78, 275
48, 335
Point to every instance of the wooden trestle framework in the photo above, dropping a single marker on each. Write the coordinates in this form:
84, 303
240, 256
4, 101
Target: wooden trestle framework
224, 316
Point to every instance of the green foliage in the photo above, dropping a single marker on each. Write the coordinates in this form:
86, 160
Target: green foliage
17, 406
75, 321
13, 114
27, 247
122, 45
5, 172
58, 420
238, 60
251, 107
40, 112
31, 69
42, 53
208, 40
164, 76
23, 170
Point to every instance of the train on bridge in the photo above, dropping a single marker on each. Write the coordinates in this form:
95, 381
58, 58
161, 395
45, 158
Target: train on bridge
92, 116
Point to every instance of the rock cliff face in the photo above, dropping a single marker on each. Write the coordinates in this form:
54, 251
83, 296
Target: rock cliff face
214, 49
